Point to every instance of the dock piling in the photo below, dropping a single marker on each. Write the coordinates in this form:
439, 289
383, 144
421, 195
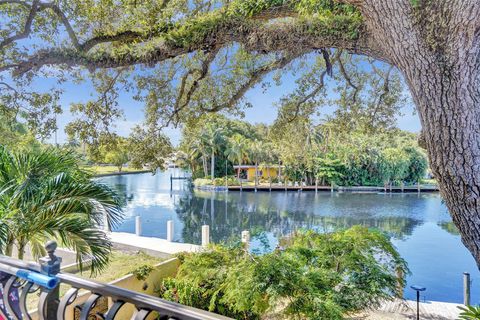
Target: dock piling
205, 235
170, 230
246, 239
466, 288
138, 226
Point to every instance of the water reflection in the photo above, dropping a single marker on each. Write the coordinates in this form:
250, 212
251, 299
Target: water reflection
229, 214
419, 225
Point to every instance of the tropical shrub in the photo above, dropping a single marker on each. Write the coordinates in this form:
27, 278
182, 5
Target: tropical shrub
316, 276
219, 182
233, 181
328, 170
417, 166
394, 165
142, 272
44, 196
202, 182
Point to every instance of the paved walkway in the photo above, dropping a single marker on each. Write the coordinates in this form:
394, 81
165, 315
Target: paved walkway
406, 309
123, 240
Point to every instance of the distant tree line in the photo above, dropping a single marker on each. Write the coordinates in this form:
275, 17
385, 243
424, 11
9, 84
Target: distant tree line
141, 149
302, 152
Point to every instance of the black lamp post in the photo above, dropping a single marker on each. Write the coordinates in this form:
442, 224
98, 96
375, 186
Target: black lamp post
418, 289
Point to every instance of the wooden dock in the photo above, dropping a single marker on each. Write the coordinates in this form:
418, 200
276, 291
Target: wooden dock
406, 189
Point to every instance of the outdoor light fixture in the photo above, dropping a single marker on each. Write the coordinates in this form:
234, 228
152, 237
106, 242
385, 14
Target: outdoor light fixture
418, 289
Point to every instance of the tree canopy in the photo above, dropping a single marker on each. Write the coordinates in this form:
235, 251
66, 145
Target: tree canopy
120, 42
189, 49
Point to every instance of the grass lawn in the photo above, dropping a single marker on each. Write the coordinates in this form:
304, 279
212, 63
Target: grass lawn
109, 169
122, 264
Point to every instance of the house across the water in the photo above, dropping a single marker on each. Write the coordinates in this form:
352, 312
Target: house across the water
248, 172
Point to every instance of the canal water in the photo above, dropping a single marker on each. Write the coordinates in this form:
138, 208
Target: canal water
419, 225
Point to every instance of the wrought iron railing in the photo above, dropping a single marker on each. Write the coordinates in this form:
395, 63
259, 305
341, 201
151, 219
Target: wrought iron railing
22, 279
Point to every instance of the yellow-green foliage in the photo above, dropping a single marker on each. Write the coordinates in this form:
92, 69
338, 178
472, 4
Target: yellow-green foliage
317, 276
329, 19
202, 182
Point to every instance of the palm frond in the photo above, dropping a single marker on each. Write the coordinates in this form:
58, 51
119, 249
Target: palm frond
46, 195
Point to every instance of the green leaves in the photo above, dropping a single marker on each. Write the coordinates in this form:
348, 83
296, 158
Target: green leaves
469, 313
329, 169
148, 148
316, 276
142, 272
46, 196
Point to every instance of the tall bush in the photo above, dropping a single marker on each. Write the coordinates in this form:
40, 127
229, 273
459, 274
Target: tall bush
316, 276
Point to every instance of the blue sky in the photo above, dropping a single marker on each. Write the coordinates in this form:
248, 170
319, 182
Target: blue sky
263, 110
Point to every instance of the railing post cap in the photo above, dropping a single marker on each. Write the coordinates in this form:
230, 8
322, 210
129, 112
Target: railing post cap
51, 246
50, 264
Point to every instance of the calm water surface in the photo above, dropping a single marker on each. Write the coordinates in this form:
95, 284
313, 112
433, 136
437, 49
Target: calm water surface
419, 225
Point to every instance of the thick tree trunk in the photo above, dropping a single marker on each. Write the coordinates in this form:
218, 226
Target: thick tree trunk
449, 107
21, 250
256, 173
212, 165
204, 163
437, 48
9, 249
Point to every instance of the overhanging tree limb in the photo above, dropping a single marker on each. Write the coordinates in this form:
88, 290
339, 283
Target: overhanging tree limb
26, 29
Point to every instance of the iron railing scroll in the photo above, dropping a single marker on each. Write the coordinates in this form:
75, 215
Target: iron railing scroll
22, 280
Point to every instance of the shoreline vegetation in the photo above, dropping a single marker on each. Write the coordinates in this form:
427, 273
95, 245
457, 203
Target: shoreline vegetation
231, 183
100, 171
219, 151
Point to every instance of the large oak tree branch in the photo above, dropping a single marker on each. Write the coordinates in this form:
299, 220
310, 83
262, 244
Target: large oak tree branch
26, 29
63, 18
255, 77
270, 37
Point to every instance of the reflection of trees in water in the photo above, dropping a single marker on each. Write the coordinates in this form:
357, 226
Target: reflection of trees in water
449, 227
227, 219
121, 190
396, 227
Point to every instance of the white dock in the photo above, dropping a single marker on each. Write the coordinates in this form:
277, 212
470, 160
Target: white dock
151, 244
407, 309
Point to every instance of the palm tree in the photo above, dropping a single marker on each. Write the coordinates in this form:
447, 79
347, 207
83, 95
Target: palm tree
211, 137
46, 195
195, 149
237, 150
256, 149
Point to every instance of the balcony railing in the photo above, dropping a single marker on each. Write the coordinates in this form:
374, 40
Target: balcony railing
22, 280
